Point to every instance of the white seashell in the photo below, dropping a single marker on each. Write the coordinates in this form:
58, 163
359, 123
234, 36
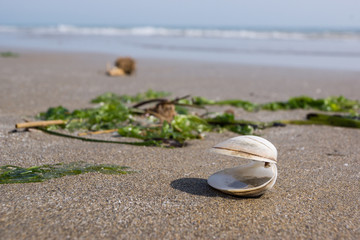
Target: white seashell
248, 180
249, 147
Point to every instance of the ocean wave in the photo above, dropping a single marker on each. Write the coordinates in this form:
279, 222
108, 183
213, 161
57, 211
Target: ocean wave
187, 32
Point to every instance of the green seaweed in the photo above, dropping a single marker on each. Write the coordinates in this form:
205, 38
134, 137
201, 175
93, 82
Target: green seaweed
182, 128
8, 54
330, 120
246, 105
106, 116
201, 101
113, 112
15, 174
227, 121
112, 97
55, 113
329, 104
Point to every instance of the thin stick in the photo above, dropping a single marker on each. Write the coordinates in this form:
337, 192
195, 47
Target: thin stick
39, 123
149, 101
97, 132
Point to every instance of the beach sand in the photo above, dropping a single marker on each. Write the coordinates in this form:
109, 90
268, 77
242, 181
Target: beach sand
316, 194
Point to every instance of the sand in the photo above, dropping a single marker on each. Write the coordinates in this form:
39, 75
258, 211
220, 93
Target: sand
316, 194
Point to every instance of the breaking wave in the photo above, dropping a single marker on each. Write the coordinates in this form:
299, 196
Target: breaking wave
228, 33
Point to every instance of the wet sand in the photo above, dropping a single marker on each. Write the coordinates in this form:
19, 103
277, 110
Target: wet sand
316, 194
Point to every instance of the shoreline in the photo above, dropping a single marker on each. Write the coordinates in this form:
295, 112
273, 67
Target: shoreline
113, 56
315, 196
312, 54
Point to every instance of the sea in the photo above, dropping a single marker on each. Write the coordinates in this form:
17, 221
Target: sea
320, 48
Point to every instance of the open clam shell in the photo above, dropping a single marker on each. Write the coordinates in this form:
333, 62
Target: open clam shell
248, 180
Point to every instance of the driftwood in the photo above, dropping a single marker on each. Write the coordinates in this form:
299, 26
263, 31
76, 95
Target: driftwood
39, 123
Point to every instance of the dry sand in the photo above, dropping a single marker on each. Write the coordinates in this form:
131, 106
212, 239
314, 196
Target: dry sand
316, 195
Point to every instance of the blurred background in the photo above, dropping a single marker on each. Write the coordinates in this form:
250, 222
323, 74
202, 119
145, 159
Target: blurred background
318, 34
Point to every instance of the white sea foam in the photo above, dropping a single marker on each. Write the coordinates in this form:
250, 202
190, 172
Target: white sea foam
8, 29
188, 32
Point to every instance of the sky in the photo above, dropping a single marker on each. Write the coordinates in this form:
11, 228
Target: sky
232, 13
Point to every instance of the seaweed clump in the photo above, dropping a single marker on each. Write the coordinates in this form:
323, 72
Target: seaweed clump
15, 174
169, 122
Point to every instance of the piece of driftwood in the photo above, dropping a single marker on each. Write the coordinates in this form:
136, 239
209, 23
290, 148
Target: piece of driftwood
39, 123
